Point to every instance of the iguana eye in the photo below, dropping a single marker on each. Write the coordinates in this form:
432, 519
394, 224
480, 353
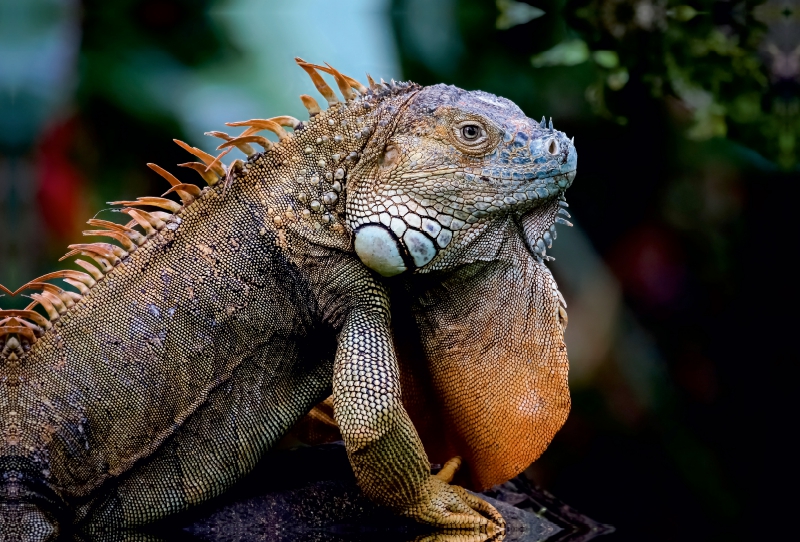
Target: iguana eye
470, 132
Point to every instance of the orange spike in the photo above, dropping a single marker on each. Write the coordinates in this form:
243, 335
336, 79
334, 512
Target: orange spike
310, 104
141, 221
102, 262
132, 234
169, 177
164, 173
216, 162
18, 330
371, 81
110, 252
55, 299
92, 270
355, 83
351, 83
146, 220
51, 311
192, 189
67, 273
38, 331
244, 147
33, 316
261, 140
341, 82
163, 203
209, 177
6, 290
161, 215
256, 125
319, 82
50, 292
77, 285
286, 120
167, 204
60, 298
36, 285
345, 83
106, 224
221, 135
206, 158
58, 302
121, 238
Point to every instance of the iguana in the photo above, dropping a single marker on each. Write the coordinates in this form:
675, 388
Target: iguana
182, 352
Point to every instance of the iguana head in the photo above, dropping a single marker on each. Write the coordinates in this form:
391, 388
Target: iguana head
431, 189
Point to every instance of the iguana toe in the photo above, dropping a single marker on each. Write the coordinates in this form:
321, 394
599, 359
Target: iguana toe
453, 508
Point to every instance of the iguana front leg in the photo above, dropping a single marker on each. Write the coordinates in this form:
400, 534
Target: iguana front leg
386, 453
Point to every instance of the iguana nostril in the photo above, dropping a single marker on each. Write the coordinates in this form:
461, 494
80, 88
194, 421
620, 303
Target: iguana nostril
552, 148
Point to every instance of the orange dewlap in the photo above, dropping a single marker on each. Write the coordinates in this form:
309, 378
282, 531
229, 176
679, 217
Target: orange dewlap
491, 385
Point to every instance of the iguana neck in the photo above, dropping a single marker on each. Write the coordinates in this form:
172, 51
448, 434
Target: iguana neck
303, 182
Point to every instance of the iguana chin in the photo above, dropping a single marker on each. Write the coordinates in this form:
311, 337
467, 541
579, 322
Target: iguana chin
185, 350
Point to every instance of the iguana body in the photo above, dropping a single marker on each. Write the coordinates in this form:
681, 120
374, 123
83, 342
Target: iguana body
195, 345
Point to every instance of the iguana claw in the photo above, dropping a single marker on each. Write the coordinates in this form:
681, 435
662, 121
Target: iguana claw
453, 508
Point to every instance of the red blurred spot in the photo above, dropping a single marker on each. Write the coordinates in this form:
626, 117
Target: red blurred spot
60, 182
649, 264
159, 14
696, 374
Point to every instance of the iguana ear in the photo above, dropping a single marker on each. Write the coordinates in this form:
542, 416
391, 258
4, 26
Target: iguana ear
484, 366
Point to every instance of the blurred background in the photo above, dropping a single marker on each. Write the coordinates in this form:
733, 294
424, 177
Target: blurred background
678, 274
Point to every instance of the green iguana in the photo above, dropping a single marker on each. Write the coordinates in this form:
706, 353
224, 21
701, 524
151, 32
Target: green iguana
186, 349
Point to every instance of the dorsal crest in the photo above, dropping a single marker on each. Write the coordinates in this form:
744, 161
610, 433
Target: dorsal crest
148, 215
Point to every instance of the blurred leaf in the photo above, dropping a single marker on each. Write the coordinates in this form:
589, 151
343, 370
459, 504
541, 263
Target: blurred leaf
606, 59
617, 79
682, 13
746, 107
566, 53
513, 13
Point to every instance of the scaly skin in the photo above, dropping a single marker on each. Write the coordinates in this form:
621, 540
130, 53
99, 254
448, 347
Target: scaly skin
203, 341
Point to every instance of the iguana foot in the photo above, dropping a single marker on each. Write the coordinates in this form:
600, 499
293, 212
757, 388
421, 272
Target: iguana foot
459, 537
454, 508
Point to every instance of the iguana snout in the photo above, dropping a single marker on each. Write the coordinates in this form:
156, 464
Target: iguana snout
456, 164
